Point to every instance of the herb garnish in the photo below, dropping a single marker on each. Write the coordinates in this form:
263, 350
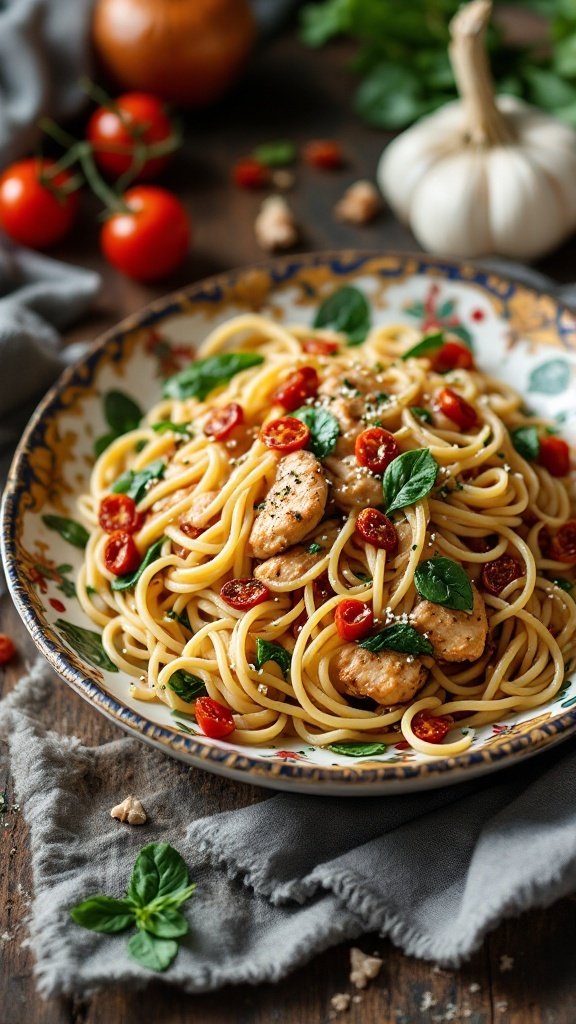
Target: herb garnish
408, 478
269, 651
122, 414
430, 343
204, 375
421, 413
131, 579
324, 429
346, 311
162, 426
443, 581
398, 637
136, 484
526, 442
314, 548
186, 686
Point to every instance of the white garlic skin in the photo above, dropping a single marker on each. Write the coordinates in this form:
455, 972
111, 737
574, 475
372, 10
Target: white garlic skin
516, 200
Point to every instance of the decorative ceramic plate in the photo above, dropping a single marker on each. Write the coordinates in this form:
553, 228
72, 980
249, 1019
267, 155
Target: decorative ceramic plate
525, 337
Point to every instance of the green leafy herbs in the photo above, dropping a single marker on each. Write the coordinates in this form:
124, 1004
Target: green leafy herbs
314, 548
275, 154
526, 442
566, 585
324, 429
86, 643
346, 311
363, 577
130, 580
186, 686
431, 343
398, 637
68, 529
444, 582
122, 414
421, 413
409, 478
205, 375
159, 886
550, 378
135, 484
181, 617
163, 426
269, 651
353, 748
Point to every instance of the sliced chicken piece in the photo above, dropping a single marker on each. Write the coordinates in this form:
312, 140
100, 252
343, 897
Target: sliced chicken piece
297, 561
386, 677
455, 636
195, 514
293, 506
352, 486
353, 397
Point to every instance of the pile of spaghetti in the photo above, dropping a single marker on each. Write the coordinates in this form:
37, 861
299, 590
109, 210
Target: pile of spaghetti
308, 539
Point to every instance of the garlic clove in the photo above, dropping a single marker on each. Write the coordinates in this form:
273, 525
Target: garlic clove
525, 211
448, 213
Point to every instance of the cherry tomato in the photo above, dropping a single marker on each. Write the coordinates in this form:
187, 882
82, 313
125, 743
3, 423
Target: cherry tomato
325, 154
118, 512
452, 356
286, 434
353, 619
498, 574
116, 130
375, 528
431, 728
244, 594
376, 448
149, 240
299, 386
213, 718
36, 208
554, 455
250, 173
7, 649
457, 409
221, 422
121, 555
322, 588
189, 529
563, 548
320, 347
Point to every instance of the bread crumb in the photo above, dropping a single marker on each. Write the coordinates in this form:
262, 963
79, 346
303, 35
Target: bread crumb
363, 967
275, 227
129, 810
360, 203
340, 1002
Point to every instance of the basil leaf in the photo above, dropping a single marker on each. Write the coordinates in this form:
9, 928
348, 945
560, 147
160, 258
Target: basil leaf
324, 429
177, 428
398, 637
155, 954
186, 686
103, 914
352, 748
526, 442
130, 580
421, 413
165, 924
275, 154
444, 582
181, 617
68, 529
266, 651
408, 478
159, 870
430, 343
346, 311
204, 375
122, 412
566, 585
86, 643
134, 484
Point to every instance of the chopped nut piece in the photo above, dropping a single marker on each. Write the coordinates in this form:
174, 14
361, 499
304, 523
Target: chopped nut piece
275, 227
363, 967
129, 810
340, 1002
360, 203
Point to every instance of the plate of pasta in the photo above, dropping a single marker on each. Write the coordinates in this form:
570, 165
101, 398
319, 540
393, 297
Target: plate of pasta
312, 524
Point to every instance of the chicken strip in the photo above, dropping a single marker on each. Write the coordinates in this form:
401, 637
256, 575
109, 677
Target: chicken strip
387, 677
293, 506
352, 486
291, 566
454, 635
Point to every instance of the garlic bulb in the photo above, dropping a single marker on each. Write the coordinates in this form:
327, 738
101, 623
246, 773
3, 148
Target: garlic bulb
483, 175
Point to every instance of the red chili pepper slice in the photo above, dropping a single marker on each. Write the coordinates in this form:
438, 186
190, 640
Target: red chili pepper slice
250, 173
452, 356
286, 434
325, 154
353, 619
118, 512
375, 528
213, 718
457, 409
554, 455
7, 649
563, 547
431, 728
121, 554
244, 594
299, 386
498, 574
376, 448
222, 422
320, 347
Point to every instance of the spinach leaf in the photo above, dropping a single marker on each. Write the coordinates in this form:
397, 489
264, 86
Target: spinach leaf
155, 954
104, 914
122, 412
353, 748
398, 637
130, 580
186, 686
134, 484
431, 343
444, 582
68, 529
275, 154
324, 429
86, 643
204, 375
346, 311
409, 478
421, 413
267, 651
526, 442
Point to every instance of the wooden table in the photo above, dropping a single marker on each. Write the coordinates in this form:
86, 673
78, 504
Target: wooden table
288, 92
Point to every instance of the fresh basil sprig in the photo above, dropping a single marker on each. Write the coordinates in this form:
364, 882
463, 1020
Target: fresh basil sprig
353, 748
186, 686
346, 311
526, 442
134, 484
204, 375
159, 885
428, 344
324, 429
269, 651
122, 414
128, 581
399, 637
408, 478
444, 582
68, 529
